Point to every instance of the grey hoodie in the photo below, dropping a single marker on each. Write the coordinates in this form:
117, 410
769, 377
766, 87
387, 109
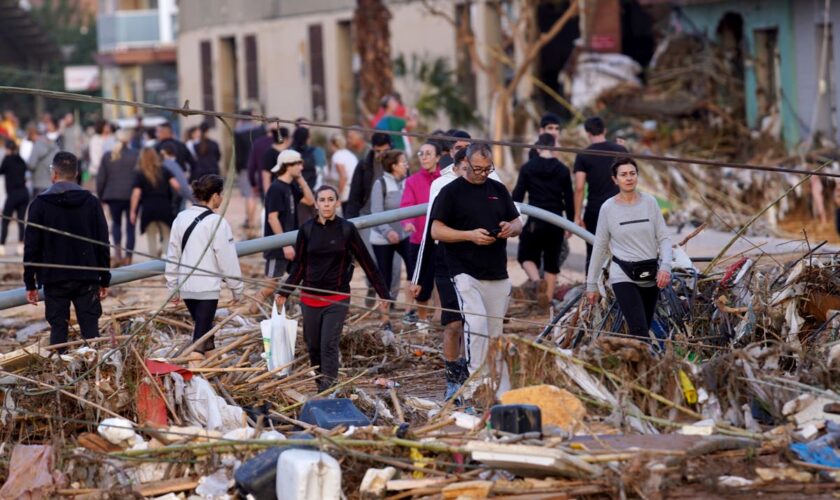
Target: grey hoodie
39, 162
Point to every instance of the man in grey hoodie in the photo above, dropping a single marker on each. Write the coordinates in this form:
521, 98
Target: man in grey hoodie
40, 159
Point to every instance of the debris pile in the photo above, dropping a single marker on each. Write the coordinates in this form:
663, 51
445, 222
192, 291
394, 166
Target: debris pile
742, 366
692, 106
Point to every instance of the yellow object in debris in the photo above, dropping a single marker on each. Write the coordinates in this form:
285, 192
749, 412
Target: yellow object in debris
688, 390
419, 461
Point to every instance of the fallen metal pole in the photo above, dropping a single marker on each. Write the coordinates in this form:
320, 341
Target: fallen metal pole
134, 272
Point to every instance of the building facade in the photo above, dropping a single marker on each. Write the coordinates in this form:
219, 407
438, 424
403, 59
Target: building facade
296, 58
787, 49
137, 53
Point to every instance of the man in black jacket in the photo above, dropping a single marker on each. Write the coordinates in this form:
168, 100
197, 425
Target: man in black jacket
75, 269
358, 202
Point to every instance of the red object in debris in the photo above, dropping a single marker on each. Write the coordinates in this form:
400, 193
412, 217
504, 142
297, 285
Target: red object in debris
162, 368
151, 408
731, 273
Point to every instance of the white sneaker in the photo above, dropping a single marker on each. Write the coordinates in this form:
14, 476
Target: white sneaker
20, 248
2, 251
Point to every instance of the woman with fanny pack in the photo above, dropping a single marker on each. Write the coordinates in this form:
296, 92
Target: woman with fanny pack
632, 229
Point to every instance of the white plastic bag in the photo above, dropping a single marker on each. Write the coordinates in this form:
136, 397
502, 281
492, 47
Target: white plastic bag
279, 334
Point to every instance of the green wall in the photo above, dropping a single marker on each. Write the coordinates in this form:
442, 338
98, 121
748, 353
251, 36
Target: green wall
758, 14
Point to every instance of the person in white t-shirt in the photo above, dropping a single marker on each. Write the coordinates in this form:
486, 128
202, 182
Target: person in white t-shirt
342, 165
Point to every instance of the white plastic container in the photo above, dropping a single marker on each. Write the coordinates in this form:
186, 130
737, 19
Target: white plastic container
308, 475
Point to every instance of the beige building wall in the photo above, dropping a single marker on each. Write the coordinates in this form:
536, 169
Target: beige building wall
283, 58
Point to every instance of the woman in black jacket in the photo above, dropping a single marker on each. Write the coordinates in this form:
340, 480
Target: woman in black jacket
324, 253
113, 187
208, 155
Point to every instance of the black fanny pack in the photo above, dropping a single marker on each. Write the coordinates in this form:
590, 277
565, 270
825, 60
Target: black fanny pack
644, 270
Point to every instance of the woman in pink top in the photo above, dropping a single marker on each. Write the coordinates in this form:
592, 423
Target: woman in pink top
416, 192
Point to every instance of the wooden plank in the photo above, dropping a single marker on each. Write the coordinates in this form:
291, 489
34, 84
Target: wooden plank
167, 486
22, 357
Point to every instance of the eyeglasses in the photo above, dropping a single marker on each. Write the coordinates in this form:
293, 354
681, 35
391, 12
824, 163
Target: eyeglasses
421, 154
482, 171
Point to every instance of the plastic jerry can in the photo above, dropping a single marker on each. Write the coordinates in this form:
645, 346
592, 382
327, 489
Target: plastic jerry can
258, 476
516, 419
308, 475
330, 413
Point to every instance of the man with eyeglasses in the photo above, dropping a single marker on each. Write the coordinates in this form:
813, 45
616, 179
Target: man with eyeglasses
75, 269
473, 217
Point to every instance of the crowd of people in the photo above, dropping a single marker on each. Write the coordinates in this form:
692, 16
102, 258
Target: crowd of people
456, 254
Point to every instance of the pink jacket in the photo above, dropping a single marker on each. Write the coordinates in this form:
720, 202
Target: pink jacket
416, 192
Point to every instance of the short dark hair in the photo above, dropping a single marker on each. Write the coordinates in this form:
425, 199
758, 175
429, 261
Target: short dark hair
299, 138
622, 160
380, 139
594, 125
169, 126
326, 187
460, 134
433, 144
206, 186
11, 145
460, 156
169, 148
546, 140
549, 119
66, 165
391, 158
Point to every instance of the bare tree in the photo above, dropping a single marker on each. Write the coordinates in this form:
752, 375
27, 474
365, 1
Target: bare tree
373, 43
517, 50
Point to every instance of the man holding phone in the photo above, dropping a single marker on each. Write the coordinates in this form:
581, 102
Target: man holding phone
473, 216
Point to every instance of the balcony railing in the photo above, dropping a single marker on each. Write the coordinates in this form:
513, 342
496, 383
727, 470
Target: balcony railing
128, 29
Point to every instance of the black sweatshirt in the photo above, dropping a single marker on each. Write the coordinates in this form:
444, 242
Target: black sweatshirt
14, 168
324, 260
66, 207
548, 184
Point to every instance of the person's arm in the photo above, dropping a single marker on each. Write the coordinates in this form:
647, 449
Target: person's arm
446, 234
266, 180
342, 176
377, 205
274, 222
361, 254
33, 248
663, 277
354, 199
409, 198
512, 224
227, 259
580, 184
569, 202
518, 193
308, 198
298, 267
599, 255
101, 179
173, 183
103, 250
173, 261
136, 194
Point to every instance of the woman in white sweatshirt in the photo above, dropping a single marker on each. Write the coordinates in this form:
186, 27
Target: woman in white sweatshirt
201, 254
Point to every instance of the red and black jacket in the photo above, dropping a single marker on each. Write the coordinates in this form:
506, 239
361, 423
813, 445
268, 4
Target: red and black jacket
324, 259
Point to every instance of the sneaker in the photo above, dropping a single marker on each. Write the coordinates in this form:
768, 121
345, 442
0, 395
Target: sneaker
451, 389
410, 317
19, 248
387, 335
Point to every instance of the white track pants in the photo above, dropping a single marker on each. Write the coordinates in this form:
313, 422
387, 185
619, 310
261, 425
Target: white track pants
483, 304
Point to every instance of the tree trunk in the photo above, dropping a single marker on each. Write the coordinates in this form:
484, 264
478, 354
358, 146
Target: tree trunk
373, 43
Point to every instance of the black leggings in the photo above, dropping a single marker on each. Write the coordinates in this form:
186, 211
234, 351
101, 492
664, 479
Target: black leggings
322, 332
203, 312
385, 259
637, 303
16, 202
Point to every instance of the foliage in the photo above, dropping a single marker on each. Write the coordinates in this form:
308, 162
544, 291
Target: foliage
439, 90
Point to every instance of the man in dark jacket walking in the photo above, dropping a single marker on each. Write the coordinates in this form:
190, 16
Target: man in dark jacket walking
75, 269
